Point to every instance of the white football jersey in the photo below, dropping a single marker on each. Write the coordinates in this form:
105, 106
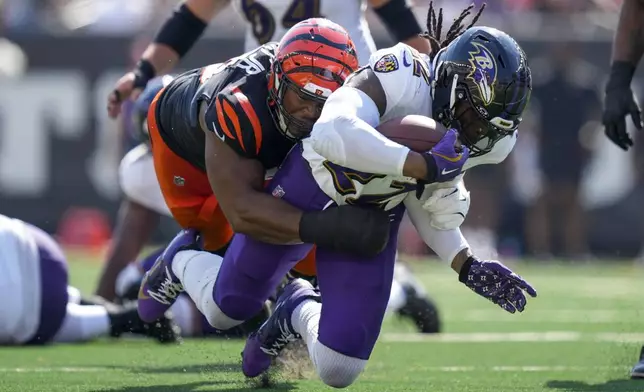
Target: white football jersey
19, 281
268, 20
405, 76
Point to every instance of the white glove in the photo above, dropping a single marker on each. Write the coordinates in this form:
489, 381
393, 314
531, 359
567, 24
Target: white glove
448, 207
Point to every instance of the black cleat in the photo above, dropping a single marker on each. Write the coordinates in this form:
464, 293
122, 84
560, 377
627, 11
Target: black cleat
125, 319
421, 310
638, 370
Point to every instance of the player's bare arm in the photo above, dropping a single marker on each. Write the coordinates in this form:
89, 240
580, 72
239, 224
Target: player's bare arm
175, 38
401, 23
238, 183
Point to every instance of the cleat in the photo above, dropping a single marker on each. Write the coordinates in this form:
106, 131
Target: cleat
418, 307
160, 287
638, 370
277, 332
125, 319
421, 310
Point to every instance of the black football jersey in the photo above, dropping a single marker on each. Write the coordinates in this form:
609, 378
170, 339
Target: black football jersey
236, 94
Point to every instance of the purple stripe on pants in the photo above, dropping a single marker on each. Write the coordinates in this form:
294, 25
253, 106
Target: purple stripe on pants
53, 286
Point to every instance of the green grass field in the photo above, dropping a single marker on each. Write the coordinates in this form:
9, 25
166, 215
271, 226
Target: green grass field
583, 333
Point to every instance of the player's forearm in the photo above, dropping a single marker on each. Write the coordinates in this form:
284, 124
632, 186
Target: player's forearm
345, 135
180, 31
266, 218
629, 38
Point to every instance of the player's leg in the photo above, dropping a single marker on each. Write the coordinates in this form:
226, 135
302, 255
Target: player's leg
53, 286
251, 270
129, 280
409, 299
341, 332
138, 216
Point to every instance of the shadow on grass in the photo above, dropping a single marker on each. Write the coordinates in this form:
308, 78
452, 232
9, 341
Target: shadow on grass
608, 386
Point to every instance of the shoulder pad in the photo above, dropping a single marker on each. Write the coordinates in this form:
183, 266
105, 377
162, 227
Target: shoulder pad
232, 117
401, 71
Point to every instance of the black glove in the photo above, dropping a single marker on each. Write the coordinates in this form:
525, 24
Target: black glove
619, 102
355, 230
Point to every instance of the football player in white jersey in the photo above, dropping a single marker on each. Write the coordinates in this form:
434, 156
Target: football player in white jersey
478, 86
267, 21
43, 308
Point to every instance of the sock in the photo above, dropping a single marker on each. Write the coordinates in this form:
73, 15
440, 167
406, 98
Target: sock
74, 295
83, 323
197, 271
130, 275
397, 298
184, 316
333, 368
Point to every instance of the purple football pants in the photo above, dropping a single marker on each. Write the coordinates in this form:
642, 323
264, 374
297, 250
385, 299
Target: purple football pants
355, 290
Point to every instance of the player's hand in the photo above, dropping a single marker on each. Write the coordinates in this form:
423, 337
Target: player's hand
619, 102
129, 86
446, 159
448, 207
493, 280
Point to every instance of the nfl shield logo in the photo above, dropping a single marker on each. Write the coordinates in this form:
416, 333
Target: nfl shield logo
278, 192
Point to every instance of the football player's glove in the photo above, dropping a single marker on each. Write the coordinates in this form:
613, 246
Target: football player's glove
619, 102
448, 207
492, 280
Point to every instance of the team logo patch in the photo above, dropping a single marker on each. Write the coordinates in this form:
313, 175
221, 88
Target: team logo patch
387, 63
483, 71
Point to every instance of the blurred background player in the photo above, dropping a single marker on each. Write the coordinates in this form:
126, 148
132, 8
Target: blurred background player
179, 33
44, 309
620, 102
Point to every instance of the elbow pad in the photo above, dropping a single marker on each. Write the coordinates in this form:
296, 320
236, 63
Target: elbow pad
359, 231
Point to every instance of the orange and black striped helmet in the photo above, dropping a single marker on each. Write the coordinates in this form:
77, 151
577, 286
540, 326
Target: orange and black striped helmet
313, 59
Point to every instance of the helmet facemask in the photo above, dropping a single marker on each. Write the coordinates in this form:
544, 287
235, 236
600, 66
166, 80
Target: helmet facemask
292, 127
456, 107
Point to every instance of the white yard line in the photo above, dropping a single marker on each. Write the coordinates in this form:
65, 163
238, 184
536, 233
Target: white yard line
597, 316
54, 369
499, 337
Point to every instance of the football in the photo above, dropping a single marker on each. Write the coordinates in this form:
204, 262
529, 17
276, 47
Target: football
419, 133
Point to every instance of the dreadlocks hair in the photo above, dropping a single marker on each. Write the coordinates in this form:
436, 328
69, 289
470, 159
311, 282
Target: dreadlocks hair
435, 27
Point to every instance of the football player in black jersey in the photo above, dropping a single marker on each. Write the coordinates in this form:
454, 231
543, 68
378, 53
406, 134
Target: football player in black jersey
175, 38
219, 129
628, 49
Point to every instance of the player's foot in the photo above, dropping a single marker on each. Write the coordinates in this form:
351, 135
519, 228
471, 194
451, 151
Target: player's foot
418, 307
125, 319
638, 370
421, 310
266, 344
160, 287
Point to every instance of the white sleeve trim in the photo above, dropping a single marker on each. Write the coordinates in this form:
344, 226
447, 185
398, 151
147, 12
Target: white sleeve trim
446, 243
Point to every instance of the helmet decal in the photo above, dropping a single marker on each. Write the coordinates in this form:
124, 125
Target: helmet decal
483, 72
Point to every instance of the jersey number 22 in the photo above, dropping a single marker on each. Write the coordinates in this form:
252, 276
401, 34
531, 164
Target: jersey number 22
263, 22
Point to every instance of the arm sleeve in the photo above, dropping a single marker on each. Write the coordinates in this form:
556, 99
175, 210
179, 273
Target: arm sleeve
446, 243
232, 118
345, 135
